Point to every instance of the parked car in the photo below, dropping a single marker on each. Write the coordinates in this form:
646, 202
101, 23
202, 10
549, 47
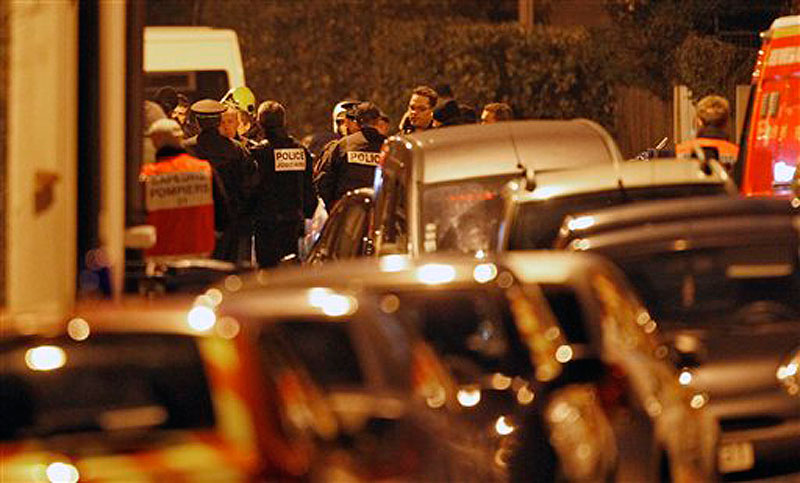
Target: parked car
139, 392
390, 395
453, 159
346, 231
721, 278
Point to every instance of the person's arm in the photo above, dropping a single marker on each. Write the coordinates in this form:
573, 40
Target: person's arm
326, 181
309, 193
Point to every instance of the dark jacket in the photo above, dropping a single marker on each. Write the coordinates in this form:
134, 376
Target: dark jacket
231, 161
284, 192
349, 165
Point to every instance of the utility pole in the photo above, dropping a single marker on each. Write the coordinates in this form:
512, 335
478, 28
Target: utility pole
526, 19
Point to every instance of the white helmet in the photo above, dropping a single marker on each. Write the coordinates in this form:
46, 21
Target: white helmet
339, 111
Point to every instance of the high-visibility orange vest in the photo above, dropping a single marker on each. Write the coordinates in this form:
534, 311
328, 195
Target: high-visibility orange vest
727, 151
180, 204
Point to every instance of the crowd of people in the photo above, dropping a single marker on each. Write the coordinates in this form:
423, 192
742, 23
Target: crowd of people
225, 179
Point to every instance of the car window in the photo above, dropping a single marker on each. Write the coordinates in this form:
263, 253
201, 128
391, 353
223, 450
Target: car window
536, 223
105, 383
469, 329
717, 286
625, 322
326, 349
568, 310
462, 216
391, 192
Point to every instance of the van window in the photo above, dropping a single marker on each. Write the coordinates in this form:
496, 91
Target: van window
196, 85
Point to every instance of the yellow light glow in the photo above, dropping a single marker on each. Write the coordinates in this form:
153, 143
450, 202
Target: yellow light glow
436, 273
698, 401
215, 295
233, 283
789, 370
437, 398
335, 305
393, 263
525, 396
581, 244
204, 300
62, 473
500, 381
78, 329
201, 318
480, 254
45, 358
228, 327
564, 354
580, 223
546, 192
685, 378
469, 396
503, 426
485, 272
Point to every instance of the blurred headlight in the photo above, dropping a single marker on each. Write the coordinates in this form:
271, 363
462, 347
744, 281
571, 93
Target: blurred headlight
503, 426
469, 396
580, 223
485, 272
685, 377
45, 358
436, 273
201, 318
788, 373
394, 263
62, 473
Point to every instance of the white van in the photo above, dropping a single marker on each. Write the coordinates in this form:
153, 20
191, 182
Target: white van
200, 62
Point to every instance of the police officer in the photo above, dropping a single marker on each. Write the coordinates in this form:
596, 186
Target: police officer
237, 172
353, 160
711, 122
284, 196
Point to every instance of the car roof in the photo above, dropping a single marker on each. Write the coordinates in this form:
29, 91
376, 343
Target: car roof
626, 175
549, 266
673, 210
476, 151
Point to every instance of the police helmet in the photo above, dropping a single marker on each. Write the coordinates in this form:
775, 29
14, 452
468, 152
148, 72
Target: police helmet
341, 110
241, 98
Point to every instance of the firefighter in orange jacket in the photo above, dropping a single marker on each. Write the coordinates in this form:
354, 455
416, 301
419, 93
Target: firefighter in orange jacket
179, 197
711, 121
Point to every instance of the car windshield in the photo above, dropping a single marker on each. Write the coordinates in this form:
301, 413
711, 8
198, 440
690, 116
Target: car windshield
105, 383
536, 223
463, 216
718, 286
326, 350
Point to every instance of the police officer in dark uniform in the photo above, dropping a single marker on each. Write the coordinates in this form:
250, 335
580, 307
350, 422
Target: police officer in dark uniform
353, 160
284, 196
237, 172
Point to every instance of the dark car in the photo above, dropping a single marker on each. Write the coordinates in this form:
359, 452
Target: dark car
721, 278
662, 433
390, 395
346, 231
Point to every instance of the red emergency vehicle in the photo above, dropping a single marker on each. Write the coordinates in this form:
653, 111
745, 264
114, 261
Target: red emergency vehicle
770, 143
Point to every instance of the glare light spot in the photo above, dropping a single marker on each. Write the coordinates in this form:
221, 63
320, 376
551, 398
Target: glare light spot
581, 244
335, 305
233, 283
503, 426
546, 192
215, 295
795, 202
45, 358
78, 329
650, 327
525, 396
204, 300
580, 223
505, 279
643, 318
564, 354
437, 399
500, 381
201, 318
390, 304
317, 295
552, 333
62, 473
787, 371
393, 263
485, 272
228, 327
480, 254
436, 273
698, 401
782, 172
469, 396
685, 378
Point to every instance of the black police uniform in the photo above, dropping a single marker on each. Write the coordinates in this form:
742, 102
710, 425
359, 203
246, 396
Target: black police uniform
284, 196
237, 172
351, 164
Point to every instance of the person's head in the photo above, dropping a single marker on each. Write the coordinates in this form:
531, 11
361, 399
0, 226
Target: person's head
444, 91
165, 133
181, 111
368, 114
420, 106
271, 115
208, 113
167, 98
713, 111
229, 124
341, 123
447, 114
496, 112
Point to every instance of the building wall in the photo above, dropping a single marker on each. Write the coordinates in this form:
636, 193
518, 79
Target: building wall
589, 13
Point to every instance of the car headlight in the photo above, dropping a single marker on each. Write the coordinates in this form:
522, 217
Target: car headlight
788, 373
